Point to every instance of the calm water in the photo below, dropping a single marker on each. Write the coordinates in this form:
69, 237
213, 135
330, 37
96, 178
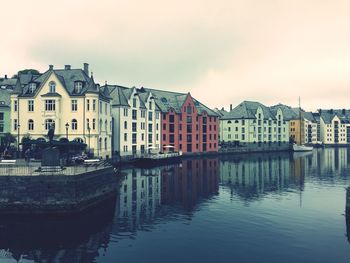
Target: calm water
257, 208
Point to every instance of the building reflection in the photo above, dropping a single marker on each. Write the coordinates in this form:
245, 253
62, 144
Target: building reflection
250, 177
188, 183
147, 194
57, 238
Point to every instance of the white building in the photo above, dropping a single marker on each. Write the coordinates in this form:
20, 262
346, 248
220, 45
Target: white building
252, 122
335, 126
136, 121
68, 100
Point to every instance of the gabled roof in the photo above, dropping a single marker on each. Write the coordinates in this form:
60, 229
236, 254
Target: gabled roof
5, 100
328, 115
167, 100
287, 111
117, 94
8, 83
247, 110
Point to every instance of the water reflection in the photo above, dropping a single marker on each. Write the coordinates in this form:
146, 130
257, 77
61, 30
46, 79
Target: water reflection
147, 198
74, 238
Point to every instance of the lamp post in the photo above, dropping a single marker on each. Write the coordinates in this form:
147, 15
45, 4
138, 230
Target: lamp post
18, 127
89, 130
67, 126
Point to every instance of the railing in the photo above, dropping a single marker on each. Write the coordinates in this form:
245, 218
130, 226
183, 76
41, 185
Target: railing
36, 169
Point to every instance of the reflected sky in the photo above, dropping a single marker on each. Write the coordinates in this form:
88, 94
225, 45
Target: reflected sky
276, 207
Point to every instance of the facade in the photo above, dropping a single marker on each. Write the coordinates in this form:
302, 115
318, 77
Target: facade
67, 100
135, 121
253, 122
335, 126
186, 124
5, 113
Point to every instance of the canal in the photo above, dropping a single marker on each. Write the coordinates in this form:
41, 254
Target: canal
275, 207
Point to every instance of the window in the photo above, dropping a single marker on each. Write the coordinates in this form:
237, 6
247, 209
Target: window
150, 105
106, 108
78, 85
125, 112
171, 118
49, 123
30, 125
52, 86
15, 123
105, 143
134, 127
125, 125
2, 122
94, 105
150, 138
88, 105
15, 105
74, 124
93, 124
125, 137
74, 105
30, 105
100, 143
106, 125
142, 137
100, 106
88, 124
134, 102
32, 87
150, 127
164, 116
157, 115
143, 114
150, 116
50, 105
134, 114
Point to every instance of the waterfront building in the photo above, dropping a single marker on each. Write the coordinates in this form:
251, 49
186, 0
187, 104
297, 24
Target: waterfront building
67, 100
7, 83
135, 120
5, 111
334, 126
186, 124
253, 122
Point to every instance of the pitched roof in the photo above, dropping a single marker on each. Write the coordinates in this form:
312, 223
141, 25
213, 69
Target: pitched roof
247, 110
287, 111
117, 94
5, 100
167, 100
328, 115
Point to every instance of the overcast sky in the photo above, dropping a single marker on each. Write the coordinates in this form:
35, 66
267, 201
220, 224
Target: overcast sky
222, 51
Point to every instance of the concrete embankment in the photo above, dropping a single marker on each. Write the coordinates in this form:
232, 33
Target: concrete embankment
64, 192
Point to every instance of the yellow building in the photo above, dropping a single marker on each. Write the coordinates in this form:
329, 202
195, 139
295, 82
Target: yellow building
297, 133
68, 100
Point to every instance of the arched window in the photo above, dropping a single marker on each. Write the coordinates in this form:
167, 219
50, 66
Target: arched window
30, 125
106, 126
74, 124
52, 86
49, 123
106, 144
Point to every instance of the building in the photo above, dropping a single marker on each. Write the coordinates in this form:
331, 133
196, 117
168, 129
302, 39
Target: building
186, 124
66, 99
253, 122
335, 126
135, 121
5, 113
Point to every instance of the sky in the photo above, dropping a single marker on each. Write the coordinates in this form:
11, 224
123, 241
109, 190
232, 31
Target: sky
222, 51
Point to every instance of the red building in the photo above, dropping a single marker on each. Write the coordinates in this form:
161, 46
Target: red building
187, 125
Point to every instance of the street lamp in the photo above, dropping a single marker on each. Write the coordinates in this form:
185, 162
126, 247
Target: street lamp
67, 126
89, 129
18, 127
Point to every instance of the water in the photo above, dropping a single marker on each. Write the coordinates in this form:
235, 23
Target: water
243, 208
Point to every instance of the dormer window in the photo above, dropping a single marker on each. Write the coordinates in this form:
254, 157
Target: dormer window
32, 87
52, 86
78, 85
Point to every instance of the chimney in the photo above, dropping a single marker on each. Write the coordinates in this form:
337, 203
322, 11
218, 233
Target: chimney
50, 67
67, 67
86, 68
5, 76
231, 107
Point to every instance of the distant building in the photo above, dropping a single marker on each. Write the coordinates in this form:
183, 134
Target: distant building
335, 126
136, 121
186, 124
253, 122
66, 99
5, 113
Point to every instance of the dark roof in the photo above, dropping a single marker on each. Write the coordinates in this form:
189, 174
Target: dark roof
287, 111
167, 100
117, 94
247, 110
328, 114
5, 100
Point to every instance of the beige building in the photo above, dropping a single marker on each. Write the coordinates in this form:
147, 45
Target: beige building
68, 100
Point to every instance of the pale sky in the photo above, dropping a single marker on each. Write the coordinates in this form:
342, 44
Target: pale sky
222, 51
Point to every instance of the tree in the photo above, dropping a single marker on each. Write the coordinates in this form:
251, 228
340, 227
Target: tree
8, 139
